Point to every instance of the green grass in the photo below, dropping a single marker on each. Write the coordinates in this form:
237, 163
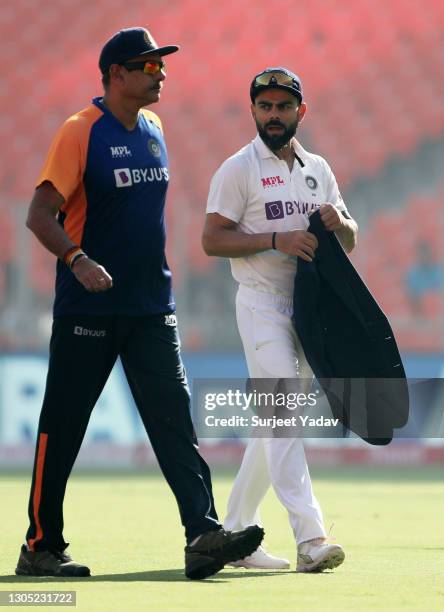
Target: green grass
126, 528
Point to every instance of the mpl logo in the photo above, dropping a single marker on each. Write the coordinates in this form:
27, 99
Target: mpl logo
117, 152
123, 177
272, 181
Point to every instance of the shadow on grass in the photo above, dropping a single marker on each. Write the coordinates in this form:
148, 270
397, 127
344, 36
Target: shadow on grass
410, 547
170, 575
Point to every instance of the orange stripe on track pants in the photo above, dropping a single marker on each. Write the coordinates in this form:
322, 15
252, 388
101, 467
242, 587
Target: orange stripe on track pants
41, 454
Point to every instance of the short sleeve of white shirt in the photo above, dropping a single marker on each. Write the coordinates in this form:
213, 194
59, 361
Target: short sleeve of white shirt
228, 189
333, 194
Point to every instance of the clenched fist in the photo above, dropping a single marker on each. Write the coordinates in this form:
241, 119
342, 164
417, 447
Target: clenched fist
331, 217
91, 275
298, 242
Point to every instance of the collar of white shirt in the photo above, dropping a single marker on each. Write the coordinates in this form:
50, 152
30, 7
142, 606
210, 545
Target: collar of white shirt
264, 152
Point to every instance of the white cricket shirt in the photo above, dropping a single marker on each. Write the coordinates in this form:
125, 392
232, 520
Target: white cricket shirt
256, 190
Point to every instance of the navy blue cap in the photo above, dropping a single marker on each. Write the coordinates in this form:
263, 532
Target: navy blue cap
293, 86
129, 43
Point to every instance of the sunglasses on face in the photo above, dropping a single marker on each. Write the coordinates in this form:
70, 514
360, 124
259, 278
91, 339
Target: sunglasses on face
148, 67
277, 78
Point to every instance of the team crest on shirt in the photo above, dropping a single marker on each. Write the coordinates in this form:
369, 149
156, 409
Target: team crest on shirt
312, 183
154, 147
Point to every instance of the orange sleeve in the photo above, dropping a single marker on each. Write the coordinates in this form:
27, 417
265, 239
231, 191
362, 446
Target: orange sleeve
153, 117
66, 159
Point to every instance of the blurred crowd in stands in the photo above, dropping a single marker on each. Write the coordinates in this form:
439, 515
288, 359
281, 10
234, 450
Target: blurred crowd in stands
373, 73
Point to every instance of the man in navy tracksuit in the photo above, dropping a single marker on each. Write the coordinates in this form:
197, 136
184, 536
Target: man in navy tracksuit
99, 207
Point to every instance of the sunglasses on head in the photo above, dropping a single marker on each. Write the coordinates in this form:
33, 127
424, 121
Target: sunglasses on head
148, 67
270, 78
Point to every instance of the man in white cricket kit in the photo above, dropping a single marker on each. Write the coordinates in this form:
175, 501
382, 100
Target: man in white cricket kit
257, 215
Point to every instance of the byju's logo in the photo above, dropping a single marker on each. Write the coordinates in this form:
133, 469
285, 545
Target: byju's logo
171, 320
126, 177
274, 210
279, 209
123, 177
92, 333
117, 152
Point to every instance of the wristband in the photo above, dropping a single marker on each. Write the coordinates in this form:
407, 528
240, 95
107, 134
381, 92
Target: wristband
66, 257
76, 257
273, 241
72, 254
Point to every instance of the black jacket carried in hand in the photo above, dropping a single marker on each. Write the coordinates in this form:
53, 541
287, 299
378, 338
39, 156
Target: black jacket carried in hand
348, 342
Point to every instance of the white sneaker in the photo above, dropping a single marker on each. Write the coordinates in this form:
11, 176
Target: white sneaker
260, 559
317, 556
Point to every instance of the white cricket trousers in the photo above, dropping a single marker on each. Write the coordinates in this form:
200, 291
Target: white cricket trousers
272, 350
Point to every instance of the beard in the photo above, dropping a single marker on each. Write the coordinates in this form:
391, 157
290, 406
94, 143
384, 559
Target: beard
277, 141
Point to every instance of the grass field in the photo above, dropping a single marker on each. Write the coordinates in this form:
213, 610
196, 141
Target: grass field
125, 527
